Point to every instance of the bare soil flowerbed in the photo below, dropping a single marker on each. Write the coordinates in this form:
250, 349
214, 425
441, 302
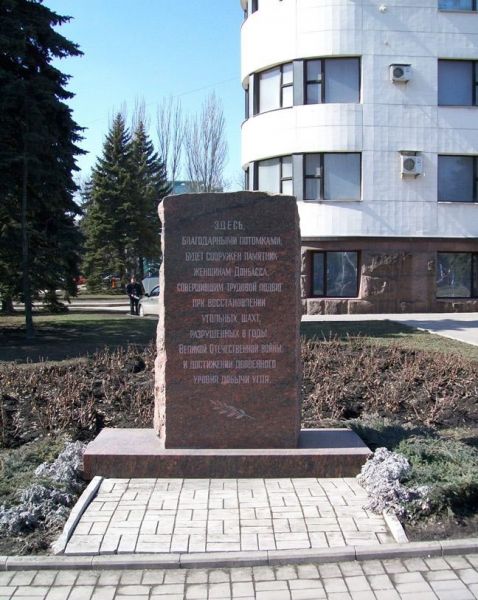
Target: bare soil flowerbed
114, 388
347, 380
421, 403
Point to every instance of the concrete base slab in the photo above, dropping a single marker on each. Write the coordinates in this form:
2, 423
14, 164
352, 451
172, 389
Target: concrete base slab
137, 453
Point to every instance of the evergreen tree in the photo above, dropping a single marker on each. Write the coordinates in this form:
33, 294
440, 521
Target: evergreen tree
150, 186
121, 223
39, 242
106, 224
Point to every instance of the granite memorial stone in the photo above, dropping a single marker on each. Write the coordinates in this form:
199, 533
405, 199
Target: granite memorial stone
228, 369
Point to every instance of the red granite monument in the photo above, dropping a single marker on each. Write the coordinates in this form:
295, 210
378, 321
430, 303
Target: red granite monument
228, 368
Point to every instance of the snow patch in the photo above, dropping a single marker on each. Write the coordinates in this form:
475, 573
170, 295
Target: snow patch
381, 477
46, 503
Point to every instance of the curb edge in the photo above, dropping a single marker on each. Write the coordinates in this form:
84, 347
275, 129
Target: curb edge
395, 527
211, 560
59, 545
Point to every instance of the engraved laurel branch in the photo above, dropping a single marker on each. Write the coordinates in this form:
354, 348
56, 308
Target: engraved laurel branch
230, 411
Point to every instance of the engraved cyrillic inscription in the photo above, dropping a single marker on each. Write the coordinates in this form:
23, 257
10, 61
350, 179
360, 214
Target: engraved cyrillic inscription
228, 274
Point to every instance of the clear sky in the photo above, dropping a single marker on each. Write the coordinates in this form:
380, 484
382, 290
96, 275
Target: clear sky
151, 49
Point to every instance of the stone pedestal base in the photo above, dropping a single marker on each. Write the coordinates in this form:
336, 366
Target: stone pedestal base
137, 453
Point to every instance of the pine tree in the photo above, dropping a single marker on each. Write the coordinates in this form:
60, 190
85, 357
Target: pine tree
39, 241
150, 182
121, 223
109, 236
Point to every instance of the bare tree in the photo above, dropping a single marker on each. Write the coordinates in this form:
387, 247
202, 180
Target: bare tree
170, 131
238, 181
139, 115
206, 146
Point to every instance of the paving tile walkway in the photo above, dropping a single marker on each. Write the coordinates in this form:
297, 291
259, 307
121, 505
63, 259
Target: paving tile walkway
221, 515
450, 578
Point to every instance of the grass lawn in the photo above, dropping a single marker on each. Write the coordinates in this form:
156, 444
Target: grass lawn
69, 336
385, 333
119, 295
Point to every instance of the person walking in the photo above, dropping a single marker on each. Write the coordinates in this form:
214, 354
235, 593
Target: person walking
134, 291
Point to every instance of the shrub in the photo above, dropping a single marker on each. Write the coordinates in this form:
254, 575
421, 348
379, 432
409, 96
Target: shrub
112, 388
449, 467
17, 467
344, 380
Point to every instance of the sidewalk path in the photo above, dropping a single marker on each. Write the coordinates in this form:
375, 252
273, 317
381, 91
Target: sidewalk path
456, 326
225, 515
115, 305
449, 578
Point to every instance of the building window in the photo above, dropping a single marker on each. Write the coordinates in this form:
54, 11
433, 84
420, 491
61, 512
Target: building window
252, 7
335, 274
317, 81
275, 175
457, 178
313, 177
332, 80
249, 97
286, 175
457, 275
457, 82
247, 178
275, 88
332, 176
287, 85
457, 4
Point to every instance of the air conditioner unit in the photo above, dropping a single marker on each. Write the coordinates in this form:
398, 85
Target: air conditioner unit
400, 73
411, 165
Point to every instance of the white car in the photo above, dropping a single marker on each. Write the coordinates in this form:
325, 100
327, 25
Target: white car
149, 283
149, 303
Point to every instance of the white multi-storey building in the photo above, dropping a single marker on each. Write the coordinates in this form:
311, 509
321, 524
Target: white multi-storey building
367, 111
